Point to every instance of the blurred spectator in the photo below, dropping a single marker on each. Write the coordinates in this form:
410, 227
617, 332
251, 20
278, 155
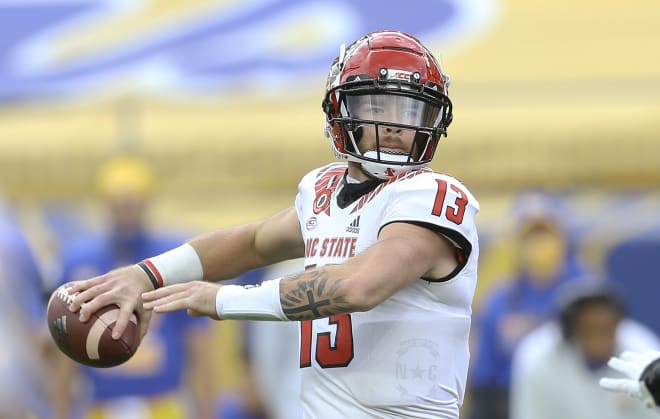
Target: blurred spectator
24, 385
544, 261
557, 367
171, 374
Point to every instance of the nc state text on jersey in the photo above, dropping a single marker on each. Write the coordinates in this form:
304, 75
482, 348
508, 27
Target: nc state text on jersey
340, 247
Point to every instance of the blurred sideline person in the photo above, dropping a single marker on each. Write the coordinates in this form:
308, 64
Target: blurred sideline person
557, 367
640, 376
545, 262
25, 387
171, 375
390, 248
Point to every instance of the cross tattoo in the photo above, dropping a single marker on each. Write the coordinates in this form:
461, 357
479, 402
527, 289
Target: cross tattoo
311, 295
313, 305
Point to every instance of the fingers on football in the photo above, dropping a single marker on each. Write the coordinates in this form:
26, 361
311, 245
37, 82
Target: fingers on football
86, 290
91, 301
124, 316
78, 286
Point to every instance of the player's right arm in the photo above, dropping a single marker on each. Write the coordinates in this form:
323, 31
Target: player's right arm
229, 252
223, 254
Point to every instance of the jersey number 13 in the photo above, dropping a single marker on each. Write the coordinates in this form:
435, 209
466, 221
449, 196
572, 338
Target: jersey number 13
329, 353
339, 352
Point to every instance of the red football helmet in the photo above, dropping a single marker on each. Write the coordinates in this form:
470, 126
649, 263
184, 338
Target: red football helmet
386, 85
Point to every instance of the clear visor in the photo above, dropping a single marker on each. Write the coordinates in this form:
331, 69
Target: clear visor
395, 109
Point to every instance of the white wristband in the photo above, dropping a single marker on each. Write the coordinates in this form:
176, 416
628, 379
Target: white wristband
181, 264
262, 302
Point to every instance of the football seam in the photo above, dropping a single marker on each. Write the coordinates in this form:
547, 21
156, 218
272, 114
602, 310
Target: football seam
107, 326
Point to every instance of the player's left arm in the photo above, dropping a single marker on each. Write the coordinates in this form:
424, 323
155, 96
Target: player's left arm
403, 253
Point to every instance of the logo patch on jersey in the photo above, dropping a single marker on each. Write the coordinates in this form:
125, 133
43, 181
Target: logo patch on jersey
354, 226
311, 223
326, 183
418, 367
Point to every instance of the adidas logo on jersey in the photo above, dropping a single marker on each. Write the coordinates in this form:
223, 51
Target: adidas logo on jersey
354, 227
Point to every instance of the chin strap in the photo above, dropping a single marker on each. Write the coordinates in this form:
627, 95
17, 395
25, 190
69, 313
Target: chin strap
350, 192
389, 168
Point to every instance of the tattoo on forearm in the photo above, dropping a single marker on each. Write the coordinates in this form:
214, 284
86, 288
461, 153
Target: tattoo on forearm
311, 295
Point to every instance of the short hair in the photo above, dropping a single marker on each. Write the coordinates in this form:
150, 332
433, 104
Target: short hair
580, 294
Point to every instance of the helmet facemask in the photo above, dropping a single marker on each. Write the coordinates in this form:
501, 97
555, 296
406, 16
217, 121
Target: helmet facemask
388, 127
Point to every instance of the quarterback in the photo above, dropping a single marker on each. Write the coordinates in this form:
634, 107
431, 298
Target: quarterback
390, 250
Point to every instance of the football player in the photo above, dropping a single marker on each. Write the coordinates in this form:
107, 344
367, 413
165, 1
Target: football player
390, 248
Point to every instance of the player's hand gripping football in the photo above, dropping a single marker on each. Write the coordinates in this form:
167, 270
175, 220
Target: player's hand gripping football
122, 287
198, 297
631, 365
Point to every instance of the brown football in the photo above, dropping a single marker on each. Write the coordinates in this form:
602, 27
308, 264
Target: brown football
90, 343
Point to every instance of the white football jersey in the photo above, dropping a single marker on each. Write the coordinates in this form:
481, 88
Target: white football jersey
408, 357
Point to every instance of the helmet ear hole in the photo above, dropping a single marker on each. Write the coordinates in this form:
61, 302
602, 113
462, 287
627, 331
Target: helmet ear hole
421, 139
422, 142
357, 133
351, 134
327, 107
449, 118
